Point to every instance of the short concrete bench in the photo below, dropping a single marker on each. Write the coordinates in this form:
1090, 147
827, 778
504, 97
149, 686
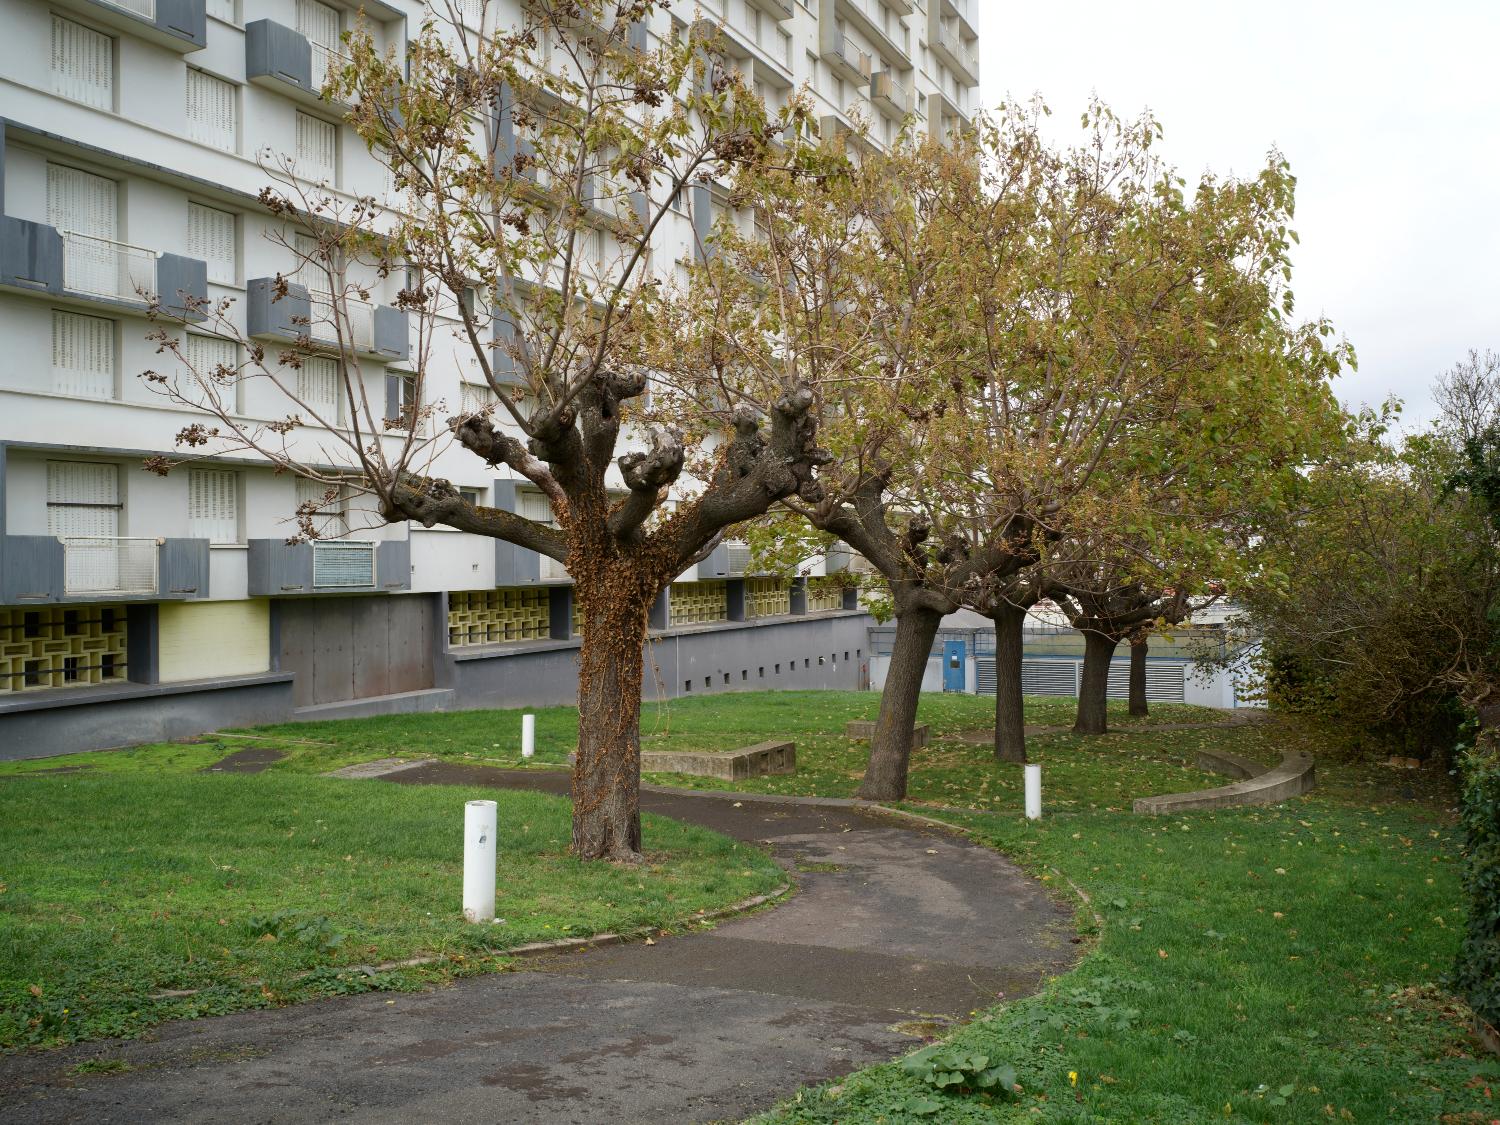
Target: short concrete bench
1231, 765
862, 728
1292, 778
764, 759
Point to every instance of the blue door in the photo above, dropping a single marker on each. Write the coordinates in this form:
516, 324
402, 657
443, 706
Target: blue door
954, 672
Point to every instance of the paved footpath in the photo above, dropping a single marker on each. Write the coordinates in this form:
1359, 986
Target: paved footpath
892, 927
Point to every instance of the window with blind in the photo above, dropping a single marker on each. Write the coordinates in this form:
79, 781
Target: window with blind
221, 10
212, 357
474, 397
535, 506
83, 202
83, 64
330, 512
317, 148
318, 388
83, 355
210, 237
214, 505
83, 499
212, 117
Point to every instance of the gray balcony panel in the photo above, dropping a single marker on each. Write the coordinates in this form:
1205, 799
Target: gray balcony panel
393, 565
277, 53
276, 567
514, 566
33, 569
716, 565
31, 255
183, 568
285, 319
186, 19
179, 278
392, 337
703, 222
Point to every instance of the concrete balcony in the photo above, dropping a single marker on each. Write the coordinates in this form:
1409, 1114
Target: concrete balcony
50, 568
944, 112
957, 52
377, 332
778, 10
178, 25
85, 270
583, 23
965, 12
516, 566
869, 19
281, 59
848, 61
888, 95
328, 566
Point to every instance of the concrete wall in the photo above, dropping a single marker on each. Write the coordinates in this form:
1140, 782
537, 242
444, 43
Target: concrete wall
99, 718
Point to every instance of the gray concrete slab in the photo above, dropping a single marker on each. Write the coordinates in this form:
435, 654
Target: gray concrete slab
890, 923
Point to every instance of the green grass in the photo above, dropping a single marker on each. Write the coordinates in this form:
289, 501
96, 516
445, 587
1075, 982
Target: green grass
1242, 953
130, 897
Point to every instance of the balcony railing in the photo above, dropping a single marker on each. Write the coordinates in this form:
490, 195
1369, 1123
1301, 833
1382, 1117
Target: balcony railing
326, 62
109, 565
343, 563
143, 8
958, 54
360, 319
102, 267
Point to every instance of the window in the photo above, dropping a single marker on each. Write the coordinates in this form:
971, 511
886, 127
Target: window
329, 505
470, 496
210, 236
211, 115
83, 499
214, 505
215, 359
221, 10
318, 389
319, 25
317, 148
82, 202
475, 397
83, 64
536, 507
83, 355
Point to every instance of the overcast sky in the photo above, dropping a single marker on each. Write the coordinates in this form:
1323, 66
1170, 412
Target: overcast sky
1389, 114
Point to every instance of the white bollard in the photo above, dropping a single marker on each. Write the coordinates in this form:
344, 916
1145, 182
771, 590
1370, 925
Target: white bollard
528, 735
479, 861
1033, 791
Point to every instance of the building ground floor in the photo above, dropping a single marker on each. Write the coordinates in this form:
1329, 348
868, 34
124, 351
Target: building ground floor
83, 676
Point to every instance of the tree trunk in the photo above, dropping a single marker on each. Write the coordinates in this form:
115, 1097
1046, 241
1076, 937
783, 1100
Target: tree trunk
1010, 712
607, 771
1093, 692
890, 748
1138, 649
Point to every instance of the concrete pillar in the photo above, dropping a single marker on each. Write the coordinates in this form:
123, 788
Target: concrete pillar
734, 590
142, 629
799, 596
661, 613
560, 612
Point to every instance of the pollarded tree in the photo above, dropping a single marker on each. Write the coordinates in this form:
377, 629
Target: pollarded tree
532, 168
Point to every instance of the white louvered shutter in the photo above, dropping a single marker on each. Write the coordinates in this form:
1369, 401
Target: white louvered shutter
221, 10
210, 237
211, 116
333, 518
83, 67
83, 499
206, 355
83, 355
318, 23
535, 506
81, 201
213, 505
318, 388
475, 397
317, 148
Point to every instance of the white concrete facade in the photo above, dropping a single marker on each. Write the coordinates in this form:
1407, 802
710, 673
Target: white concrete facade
106, 141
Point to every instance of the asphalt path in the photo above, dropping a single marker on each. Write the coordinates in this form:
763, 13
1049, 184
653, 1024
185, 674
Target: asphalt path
894, 932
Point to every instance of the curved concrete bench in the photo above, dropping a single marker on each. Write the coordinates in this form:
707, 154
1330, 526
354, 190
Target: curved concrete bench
1292, 778
1231, 765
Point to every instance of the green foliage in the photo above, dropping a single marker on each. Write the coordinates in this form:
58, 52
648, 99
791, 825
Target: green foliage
317, 933
956, 1070
1477, 975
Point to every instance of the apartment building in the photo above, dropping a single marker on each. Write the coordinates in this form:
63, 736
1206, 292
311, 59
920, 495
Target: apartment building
135, 606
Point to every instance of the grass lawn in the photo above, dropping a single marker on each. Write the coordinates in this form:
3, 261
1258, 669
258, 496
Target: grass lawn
129, 896
1249, 965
